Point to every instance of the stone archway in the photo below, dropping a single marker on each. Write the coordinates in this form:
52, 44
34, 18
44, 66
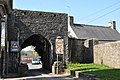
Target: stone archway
43, 47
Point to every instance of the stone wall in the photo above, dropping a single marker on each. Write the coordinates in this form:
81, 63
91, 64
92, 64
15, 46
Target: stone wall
76, 50
88, 45
0, 48
4, 11
27, 23
108, 54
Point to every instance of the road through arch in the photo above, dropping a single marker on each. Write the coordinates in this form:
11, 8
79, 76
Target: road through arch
43, 48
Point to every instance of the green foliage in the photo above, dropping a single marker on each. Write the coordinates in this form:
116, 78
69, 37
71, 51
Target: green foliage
101, 71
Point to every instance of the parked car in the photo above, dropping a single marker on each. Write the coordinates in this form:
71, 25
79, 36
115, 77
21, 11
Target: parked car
35, 60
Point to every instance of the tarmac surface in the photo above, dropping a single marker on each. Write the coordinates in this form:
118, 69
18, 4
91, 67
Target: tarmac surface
40, 75
37, 73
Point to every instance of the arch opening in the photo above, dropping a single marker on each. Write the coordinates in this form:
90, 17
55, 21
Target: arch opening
39, 47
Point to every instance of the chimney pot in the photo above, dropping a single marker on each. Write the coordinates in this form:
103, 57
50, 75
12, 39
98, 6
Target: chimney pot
112, 24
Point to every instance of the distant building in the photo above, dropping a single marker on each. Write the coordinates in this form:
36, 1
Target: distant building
101, 33
81, 35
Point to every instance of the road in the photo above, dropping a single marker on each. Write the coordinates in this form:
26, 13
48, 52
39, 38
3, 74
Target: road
37, 73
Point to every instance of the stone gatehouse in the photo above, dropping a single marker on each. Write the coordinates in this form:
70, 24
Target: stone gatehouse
39, 29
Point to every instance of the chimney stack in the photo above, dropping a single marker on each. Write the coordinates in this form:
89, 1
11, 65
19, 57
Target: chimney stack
112, 24
71, 20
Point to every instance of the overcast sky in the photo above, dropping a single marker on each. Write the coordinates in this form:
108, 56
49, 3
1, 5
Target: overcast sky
94, 12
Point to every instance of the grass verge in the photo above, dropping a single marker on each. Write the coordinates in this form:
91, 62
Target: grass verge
101, 71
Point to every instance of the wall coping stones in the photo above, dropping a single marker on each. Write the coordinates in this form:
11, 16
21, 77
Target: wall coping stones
79, 74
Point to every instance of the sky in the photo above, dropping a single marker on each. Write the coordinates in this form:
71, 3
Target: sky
92, 12
29, 48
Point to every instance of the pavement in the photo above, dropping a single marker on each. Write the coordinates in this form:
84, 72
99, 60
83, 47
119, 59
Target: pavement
37, 73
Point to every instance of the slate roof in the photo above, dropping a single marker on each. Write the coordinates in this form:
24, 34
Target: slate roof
99, 32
